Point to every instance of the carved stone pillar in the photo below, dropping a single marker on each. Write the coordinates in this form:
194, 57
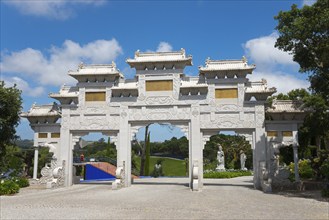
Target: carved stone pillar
196, 155
295, 148
35, 165
124, 149
259, 152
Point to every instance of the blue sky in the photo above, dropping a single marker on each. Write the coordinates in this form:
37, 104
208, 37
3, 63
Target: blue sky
42, 40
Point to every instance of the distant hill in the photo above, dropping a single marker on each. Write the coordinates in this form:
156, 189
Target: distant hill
24, 143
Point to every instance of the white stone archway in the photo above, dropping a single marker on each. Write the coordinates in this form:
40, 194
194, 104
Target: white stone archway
219, 98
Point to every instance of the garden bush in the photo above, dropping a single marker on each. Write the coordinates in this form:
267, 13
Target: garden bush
304, 168
226, 174
325, 193
8, 187
21, 181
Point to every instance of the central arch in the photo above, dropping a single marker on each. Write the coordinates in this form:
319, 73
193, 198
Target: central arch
183, 125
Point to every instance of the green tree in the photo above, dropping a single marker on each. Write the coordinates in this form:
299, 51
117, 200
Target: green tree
13, 159
232, 145
10, 107
315, 129
305, 34
147, 155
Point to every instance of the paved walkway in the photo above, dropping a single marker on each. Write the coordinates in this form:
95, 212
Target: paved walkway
165, 198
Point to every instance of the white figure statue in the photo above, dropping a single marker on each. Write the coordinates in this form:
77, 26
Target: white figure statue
243, 159
220, 159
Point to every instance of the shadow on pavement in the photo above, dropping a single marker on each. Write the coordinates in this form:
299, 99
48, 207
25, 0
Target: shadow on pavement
251, 186
161, 183
309, 194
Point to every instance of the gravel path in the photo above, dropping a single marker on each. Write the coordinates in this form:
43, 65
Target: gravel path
164, 198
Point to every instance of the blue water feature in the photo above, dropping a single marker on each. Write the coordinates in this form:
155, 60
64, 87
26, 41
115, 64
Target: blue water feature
93, 173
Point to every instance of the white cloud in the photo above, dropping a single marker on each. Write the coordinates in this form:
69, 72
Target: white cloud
57, 9
308, 2
284, 82
24, 86
262, 51
52, 69
274, 65
164, 47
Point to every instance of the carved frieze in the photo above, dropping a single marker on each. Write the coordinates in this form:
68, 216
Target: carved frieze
159, 115
95, 110
94, 122
225, 121
159, 100
227, 107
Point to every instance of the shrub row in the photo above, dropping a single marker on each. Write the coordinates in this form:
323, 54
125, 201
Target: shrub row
304, 168
12, 186
226, 174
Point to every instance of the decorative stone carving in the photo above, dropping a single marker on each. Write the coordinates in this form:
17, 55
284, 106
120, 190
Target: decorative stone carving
260, 116
195, 111
53, 175
159, 115
95, 122
240, 94
220, 159
159, 100
265, 179
176, 83
227, 107
124, 114
82, 96
65, 121
243, 159
99, 110
195, 176
120, 177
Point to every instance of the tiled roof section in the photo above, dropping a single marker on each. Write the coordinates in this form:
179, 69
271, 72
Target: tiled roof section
259, 87
96, 69
66, 91
42, 110
192, 83
219, 65
126, 85
279, 106
145, 57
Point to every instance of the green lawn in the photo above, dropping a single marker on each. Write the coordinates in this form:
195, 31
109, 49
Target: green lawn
170, 166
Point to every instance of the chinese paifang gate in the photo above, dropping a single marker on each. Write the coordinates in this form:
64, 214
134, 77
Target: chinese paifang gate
220, 98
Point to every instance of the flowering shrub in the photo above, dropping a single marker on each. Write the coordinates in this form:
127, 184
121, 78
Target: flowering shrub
8, 187
21, 182
304, 168
226, 174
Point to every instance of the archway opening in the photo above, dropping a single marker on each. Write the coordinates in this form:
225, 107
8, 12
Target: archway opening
94, 159
227, 155
160, 150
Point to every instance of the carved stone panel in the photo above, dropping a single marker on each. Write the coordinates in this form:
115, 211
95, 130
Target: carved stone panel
260, 116
227, 108
159, 100
226, 121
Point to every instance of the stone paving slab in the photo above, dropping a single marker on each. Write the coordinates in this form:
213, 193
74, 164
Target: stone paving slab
163, 198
